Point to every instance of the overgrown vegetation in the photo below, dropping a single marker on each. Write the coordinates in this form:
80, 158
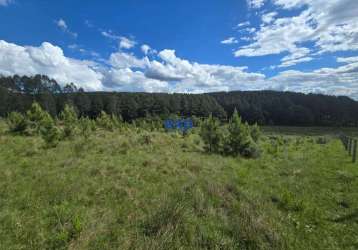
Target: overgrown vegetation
107, 184
238, 138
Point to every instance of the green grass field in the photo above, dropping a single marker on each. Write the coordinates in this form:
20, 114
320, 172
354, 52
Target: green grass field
151, 190
310, 131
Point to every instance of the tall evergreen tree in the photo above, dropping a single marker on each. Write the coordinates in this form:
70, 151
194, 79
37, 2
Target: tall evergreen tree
210, 133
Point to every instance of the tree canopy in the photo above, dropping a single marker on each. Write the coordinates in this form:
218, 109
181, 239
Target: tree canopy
262, 107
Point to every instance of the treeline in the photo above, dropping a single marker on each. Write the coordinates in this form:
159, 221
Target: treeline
264, 107
289, 108
18, 93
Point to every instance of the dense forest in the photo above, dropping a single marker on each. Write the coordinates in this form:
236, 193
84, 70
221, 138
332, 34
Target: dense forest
289, 108
264, 107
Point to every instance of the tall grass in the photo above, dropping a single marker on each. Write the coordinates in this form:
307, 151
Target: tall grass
134, 189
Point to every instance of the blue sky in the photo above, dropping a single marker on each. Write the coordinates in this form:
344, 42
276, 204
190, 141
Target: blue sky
185, 46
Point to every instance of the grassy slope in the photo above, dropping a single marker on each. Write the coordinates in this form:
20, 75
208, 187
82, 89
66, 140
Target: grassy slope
160, 191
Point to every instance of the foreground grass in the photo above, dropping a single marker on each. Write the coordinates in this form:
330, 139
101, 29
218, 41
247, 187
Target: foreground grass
140, 190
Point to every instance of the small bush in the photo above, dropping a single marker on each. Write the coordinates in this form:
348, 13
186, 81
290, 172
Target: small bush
252, 150
108, 122
239, 135
86, 127
255, 132
17, 122
237, 139
273, 148
49, 132
240, 139
37, 118
69, 118
210, 133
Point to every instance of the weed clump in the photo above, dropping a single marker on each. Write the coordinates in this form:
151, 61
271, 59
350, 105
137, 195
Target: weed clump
17, 122
145, 138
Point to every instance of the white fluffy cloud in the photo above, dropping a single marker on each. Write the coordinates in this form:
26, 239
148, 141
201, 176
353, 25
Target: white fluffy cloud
195, 77
269, 17
63, 26
296, 56
230, 40
49, 60
146, 49
123, 42
125, 79
169, 73
256, 4
331, 25
126, 43
243, 24
125, 60
110, 35
125, 72
352, 59
331, 81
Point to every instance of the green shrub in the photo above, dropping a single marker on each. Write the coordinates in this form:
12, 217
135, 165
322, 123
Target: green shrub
239, 138
37, 118
17, 122
69, 118
255, 132
149, 123
210, 133
108, 122
252, 150
49, 132
273, 147
86, 127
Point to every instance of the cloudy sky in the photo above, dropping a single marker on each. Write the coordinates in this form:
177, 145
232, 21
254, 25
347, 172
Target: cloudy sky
185, 46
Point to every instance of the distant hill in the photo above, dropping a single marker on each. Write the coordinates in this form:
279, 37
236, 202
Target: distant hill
264, 107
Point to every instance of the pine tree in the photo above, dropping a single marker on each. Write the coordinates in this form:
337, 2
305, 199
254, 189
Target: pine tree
69, 118
210, 133
36, 117
239, 135
49, 132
